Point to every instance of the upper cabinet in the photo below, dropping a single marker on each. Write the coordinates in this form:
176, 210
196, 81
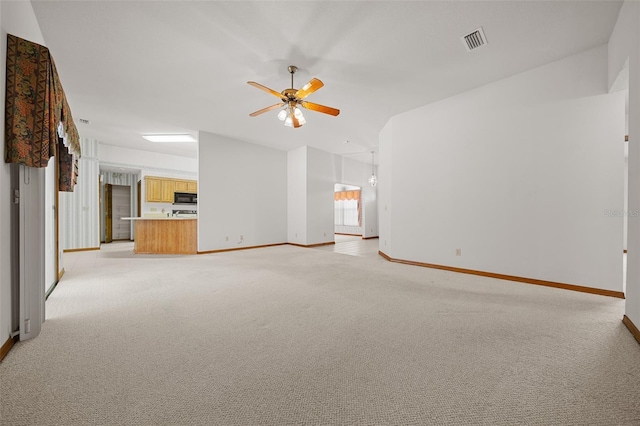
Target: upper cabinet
161, 189
186, 186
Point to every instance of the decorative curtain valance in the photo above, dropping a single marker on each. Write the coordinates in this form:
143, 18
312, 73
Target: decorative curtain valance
38, 121
346, 195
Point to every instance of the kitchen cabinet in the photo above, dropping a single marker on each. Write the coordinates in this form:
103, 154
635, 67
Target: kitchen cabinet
165, 235
161, 190
186, 186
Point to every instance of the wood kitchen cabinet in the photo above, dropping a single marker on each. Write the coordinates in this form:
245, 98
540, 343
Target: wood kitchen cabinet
186, 186
161, 190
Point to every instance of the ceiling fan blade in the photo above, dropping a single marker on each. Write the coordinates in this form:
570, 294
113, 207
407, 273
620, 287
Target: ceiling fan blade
266, 89
309, 88
320, 108
263, 110
296, 122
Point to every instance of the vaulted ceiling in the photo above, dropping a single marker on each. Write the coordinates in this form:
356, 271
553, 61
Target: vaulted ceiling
183, 66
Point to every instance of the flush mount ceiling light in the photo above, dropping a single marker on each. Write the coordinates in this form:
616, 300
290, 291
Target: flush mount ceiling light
373, 180
170, 138
292, 99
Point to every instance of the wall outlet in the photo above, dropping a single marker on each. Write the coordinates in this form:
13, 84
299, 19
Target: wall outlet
226, 238
241, 237
325, 234
458, 252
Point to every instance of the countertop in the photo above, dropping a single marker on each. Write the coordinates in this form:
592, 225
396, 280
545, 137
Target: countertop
159, 218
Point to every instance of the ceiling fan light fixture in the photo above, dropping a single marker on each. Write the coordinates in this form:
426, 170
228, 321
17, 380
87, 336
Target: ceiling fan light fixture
282, 115
288, 122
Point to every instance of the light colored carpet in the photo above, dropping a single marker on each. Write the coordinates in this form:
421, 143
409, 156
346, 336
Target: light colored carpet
294, 336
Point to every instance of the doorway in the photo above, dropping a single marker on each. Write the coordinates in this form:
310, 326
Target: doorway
347, 201
117, 202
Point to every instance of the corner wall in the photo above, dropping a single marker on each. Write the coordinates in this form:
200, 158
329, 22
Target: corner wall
312, 175
624, 47
242, 194
524, 176
16, 18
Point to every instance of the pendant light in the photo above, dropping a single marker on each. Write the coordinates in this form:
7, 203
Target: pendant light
373, 180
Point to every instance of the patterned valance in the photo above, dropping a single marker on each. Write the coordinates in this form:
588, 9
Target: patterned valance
38, 121
346, 195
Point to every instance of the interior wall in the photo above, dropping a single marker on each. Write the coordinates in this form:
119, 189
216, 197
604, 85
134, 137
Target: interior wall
80, 224
529, 186
297, 196
358, 173
385, 189
312, 175
242, 194
50, 211
624, 47
324, 170
16, 18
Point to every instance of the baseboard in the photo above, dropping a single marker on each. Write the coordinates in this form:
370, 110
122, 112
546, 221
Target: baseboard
240, 248
632, 327
80, 249
4, 350
60, 274
312, 245
573, 287
370, 238
350, 235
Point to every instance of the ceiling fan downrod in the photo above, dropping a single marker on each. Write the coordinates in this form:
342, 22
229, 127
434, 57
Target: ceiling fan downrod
292, 71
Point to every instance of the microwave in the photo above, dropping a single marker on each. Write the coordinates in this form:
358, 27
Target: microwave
185, 198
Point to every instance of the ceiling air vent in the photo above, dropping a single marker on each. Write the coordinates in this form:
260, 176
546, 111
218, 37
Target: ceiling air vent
474, 39
83, 121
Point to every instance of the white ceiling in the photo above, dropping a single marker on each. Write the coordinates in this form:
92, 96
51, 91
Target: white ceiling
182, 66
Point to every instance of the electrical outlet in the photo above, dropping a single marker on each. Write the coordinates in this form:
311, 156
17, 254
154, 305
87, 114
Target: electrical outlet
325, 234
458, 252
241, 238
226, 238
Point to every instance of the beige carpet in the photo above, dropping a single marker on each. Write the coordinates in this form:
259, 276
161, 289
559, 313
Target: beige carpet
294, 336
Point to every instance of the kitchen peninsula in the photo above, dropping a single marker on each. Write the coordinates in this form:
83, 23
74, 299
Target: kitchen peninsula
165, 235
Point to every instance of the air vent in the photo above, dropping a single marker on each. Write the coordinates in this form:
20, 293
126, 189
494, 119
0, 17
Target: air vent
474, 39
83, 121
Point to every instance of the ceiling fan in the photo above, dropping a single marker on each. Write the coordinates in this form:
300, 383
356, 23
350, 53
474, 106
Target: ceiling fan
291, 99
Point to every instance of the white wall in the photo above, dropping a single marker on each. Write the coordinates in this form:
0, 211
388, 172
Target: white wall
385, 189
518, 174
297, 196
312, 175
80, 211
324, 170
242, 192
358, 173
16, 18
624, 47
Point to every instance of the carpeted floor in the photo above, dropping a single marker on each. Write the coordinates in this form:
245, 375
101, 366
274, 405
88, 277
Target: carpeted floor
293, 336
